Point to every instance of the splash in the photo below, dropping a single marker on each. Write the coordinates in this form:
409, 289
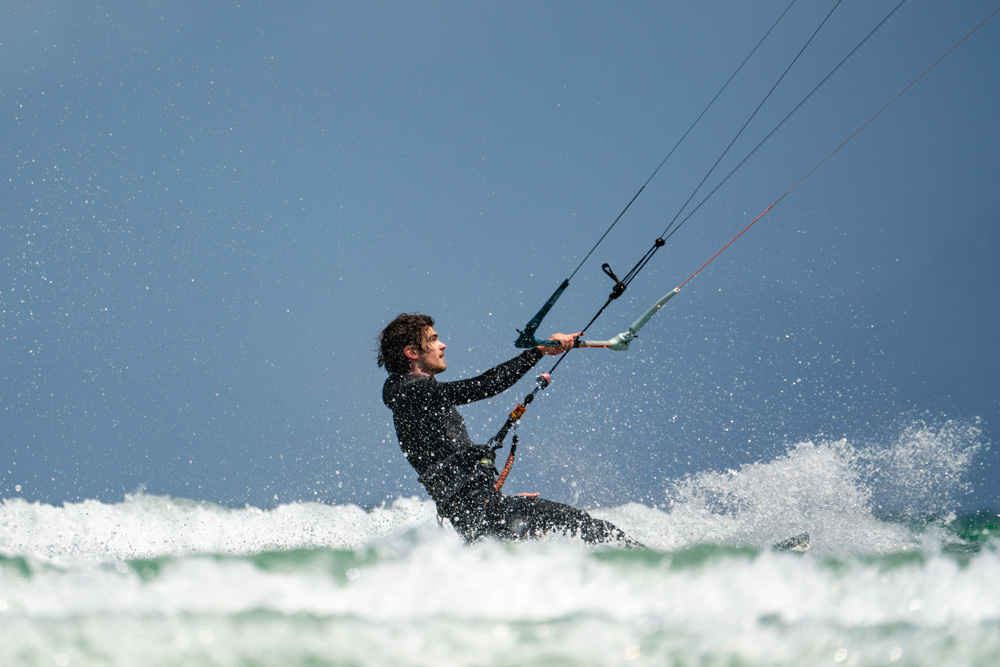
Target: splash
834, 490
924, 472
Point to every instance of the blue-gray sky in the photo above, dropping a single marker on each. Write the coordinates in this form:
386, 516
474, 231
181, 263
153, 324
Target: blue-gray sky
210, 209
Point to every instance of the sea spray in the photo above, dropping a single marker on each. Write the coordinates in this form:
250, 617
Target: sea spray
924, 472
834, 490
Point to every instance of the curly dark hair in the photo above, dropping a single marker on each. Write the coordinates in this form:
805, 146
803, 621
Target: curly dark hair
406, 329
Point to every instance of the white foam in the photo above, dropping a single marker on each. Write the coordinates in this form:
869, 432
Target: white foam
190, 582
145, 526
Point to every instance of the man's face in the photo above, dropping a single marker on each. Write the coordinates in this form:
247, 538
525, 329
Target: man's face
430, 359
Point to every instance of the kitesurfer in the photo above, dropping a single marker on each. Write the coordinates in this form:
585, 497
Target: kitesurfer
457, 473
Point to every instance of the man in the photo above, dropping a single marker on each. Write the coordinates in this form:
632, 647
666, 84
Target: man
457, 473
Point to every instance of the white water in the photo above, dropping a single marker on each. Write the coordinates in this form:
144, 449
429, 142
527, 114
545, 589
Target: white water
155, 580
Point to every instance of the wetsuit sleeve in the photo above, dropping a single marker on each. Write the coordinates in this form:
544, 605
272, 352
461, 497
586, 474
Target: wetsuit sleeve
417, 396
492, 382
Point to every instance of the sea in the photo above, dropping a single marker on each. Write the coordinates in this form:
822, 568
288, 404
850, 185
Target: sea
893, 575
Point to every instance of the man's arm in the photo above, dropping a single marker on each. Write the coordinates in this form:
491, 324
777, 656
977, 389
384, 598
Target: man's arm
492, 382
503, 377
487, 385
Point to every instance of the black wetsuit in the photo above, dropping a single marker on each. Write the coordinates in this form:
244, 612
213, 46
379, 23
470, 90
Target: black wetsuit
458, 474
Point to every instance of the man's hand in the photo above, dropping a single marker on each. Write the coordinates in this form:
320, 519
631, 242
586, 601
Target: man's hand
566, 343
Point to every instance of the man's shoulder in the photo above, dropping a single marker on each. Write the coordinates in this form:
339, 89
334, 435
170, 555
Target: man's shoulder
398, 388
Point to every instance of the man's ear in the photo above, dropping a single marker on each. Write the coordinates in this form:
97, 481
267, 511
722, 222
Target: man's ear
410, 353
